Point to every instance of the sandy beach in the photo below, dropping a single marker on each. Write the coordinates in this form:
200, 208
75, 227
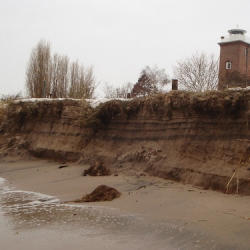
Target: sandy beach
170, 214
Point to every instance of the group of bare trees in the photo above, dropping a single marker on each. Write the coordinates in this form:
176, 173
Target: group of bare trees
117, 92
151, 81
197, 73
56, 76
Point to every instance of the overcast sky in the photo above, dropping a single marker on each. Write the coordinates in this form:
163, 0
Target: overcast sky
117, 37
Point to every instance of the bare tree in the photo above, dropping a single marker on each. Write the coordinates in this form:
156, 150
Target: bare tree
152, 80
82, 81
198, 72
54, 74
59, 76
87, 82
64, 76
117, 92
38, 70
74, 78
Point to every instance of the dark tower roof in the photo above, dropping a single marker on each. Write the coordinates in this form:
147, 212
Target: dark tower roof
237, 31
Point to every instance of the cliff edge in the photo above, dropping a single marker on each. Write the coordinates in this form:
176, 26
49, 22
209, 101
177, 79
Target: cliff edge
197, 138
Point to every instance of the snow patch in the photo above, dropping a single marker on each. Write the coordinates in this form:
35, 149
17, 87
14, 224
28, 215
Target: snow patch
94, 103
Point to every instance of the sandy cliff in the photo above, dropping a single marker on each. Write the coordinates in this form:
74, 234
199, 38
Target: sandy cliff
192, 138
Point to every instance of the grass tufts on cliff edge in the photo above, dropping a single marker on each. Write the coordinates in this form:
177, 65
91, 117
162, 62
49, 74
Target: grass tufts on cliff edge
14, 115
211, 103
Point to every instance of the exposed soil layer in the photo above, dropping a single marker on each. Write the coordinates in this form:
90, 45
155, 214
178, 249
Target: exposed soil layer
196, 138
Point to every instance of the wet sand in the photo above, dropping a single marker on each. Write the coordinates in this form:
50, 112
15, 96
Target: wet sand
156, 213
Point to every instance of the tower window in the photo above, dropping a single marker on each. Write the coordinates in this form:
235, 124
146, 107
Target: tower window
228, 65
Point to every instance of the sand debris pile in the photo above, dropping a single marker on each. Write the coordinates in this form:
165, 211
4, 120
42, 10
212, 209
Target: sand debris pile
97, 169
145, 154
101, 193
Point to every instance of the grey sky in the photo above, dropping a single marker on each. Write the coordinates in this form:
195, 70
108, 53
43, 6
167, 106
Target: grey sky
117, 37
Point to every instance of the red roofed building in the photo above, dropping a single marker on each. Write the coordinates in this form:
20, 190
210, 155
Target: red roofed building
234, 68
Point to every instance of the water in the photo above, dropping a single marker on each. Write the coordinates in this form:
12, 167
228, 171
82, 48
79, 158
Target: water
37, 221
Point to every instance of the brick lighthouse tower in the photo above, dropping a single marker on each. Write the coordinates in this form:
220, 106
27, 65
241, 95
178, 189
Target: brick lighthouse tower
234, 69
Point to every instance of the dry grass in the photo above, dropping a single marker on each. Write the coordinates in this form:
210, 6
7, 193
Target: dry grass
5, 101
211, 104
243, 161
10, 98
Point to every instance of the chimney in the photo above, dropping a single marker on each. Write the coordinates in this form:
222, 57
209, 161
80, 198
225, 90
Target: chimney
174, 84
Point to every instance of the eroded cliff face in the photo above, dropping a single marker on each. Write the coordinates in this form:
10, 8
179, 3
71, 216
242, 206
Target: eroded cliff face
192, 138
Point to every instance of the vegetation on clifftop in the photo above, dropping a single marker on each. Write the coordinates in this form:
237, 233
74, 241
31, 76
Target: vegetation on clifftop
214, 104
211, 103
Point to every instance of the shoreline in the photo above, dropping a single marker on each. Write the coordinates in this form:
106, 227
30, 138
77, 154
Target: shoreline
224, 218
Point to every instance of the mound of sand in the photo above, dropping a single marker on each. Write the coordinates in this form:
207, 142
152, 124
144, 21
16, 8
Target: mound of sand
97, 169
101, 193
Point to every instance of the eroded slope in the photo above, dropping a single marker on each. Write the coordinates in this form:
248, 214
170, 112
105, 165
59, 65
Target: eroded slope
187, 137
